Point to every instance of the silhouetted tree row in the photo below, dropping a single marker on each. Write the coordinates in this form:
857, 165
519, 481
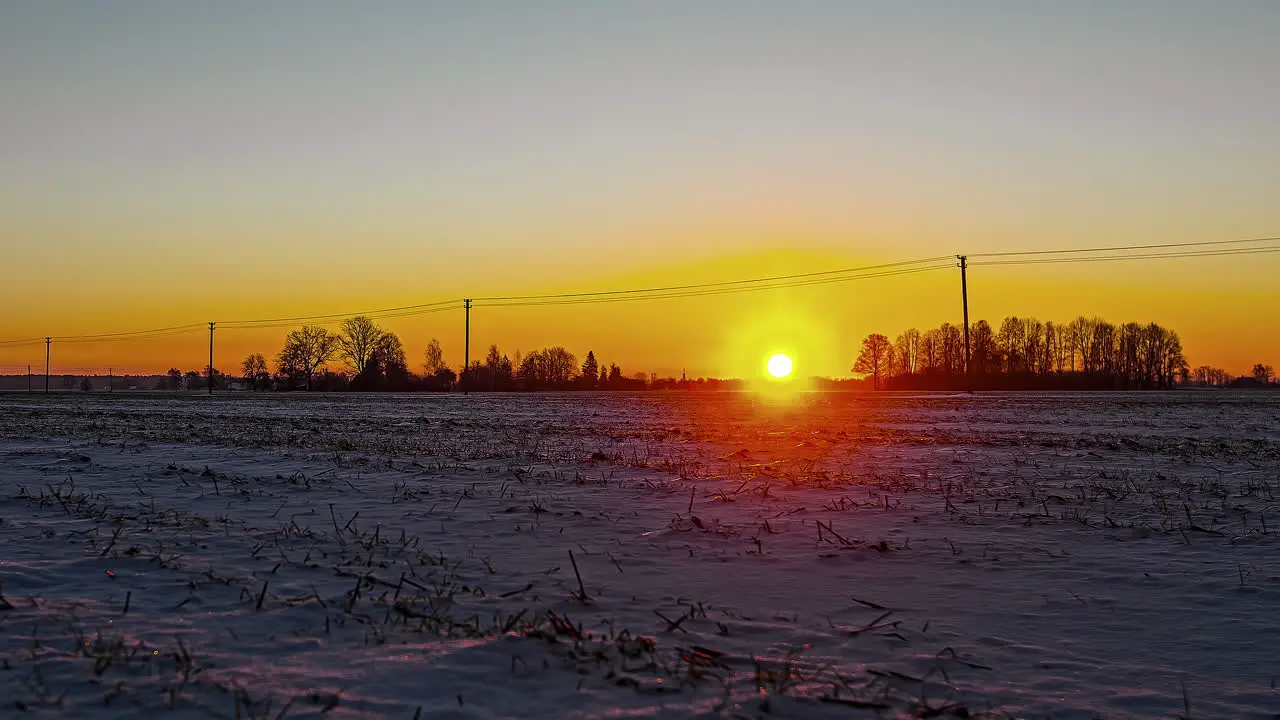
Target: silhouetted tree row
373, 359
1205, 376
1025, 353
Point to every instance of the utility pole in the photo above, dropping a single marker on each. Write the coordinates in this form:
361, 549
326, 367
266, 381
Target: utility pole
28, 378
47, 340
466, 344
964, 295
110, 380
211, 357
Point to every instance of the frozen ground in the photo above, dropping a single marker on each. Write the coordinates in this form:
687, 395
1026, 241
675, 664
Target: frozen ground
1022, 555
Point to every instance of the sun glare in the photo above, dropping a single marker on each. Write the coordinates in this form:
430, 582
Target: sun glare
779, 366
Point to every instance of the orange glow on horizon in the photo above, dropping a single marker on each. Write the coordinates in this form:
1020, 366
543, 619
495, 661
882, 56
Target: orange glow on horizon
715, 336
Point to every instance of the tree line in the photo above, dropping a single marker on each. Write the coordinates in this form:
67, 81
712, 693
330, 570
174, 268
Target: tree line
1025, 353
361, 356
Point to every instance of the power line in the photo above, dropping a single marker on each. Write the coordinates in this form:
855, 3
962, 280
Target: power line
16, 343
126, 337
403, 311
1029, 257
715, 291
67, 338
106, 337
118, 371
177, 330
656, 293
416, 313
1125, 247
1145, 256
670, 288
703, 293
336, 318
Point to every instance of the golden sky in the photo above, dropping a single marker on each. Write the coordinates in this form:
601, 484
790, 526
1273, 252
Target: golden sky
166, 165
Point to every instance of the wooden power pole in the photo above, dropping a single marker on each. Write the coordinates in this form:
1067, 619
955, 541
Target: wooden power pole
964, 297
211, 325
466, 344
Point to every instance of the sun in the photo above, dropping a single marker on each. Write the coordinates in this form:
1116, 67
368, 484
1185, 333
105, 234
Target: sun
779, 366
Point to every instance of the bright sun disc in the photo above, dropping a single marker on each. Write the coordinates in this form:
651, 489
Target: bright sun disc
779, 366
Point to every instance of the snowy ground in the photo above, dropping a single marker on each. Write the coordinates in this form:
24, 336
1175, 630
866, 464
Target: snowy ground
844, 556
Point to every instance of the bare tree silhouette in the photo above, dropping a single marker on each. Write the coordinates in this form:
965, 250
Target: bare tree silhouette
873, 360
906, 352
434, 362
358, 340
1263, 373
550, 367
306, 349
254, 370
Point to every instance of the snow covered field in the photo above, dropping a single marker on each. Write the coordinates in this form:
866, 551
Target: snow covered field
611, 556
